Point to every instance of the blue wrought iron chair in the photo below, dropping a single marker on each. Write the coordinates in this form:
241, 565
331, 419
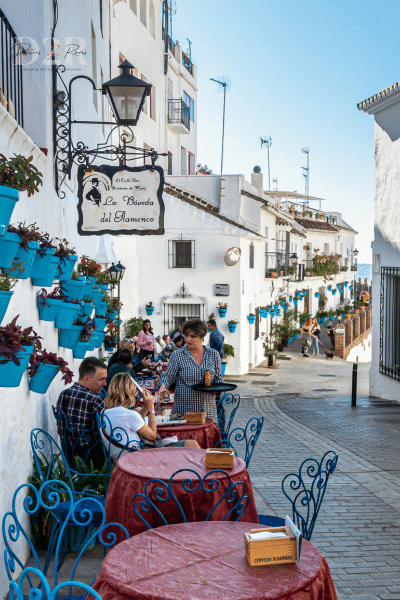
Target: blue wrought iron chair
148, 383
228, 401
78, 434
244, 438
59, 523
115, 440
162, 502
305, 491
36, 582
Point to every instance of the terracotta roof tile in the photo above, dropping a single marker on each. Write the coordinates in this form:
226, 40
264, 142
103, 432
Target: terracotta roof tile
318, 225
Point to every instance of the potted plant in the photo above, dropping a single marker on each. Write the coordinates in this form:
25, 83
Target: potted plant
89, 268
272, 273
43, 367
211, 317
87, 307
149, 308
17, 175
101, 307
103, 280
222, 309
114, 306
307, 247
16, 346
228, 350
7, 283
68, 258
270, 350
74, 289
251, 317
232, 324
29, 236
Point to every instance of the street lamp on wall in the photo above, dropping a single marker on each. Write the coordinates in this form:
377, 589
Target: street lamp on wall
126, 95
116, 273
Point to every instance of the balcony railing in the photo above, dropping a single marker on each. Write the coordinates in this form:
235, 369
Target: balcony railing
186, 61
179, 113
11, 92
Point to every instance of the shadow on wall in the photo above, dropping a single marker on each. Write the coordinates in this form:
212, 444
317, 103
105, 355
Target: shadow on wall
388, 121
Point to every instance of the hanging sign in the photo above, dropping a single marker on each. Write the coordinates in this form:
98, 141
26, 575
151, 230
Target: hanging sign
120, 200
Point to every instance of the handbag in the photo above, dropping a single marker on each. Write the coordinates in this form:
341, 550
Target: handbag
157, 443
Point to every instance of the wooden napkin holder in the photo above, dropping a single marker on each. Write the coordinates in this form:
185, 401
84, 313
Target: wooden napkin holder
195, 418
276, 551
220, 458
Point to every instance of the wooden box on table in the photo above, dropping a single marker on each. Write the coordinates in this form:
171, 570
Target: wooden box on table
220, 458
274, 551
195, 418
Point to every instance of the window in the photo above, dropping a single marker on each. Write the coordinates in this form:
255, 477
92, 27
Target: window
143, 16
326, 249
190, 104
133, 5
280, 239
144, 109
170, 89
192, 164
389, 360
153, 103
169, 163
183, 161
266, 232
257, 325
174, 313
181, 254
251, 256
152, 20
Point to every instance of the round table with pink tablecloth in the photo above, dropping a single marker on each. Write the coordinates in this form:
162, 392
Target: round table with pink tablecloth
207, 435
206, 561
134, 470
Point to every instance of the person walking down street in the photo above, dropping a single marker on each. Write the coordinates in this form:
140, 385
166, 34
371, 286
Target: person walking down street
80, 403
316, 332
187, 367
306, 337
216, 337
146, 341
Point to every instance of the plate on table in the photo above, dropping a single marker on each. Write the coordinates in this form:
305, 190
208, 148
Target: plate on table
176, 422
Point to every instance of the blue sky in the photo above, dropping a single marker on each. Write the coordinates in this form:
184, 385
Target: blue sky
298, 70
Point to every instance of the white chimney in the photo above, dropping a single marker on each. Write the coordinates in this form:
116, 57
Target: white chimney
257, 179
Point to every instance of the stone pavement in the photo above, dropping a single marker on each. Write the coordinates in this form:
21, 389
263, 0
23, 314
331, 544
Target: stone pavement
306, 405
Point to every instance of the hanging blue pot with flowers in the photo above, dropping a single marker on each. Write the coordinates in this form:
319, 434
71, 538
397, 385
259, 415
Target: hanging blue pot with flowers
316, 294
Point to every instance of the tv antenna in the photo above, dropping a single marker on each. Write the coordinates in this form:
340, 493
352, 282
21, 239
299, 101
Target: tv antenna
266, 142
224, 85
306, 174
275, 182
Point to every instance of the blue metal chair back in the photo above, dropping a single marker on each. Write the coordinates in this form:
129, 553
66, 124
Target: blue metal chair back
148, 383
159, 495
71, 437
244, 439
135, 359
228, 402
306, 490
40, 588
116, 440
67, 524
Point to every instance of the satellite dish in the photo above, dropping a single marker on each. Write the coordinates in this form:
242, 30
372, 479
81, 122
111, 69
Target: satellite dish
232, 256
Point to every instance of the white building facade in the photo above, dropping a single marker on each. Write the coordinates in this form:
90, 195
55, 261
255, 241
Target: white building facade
385, 367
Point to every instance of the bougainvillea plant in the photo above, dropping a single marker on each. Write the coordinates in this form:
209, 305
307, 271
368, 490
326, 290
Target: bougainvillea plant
13, 338
50, 358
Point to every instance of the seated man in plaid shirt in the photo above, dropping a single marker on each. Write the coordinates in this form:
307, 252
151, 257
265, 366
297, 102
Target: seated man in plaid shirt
216, 337
80, 404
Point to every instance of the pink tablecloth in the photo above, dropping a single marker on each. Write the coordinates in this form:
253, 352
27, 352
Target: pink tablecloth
206, 435
206, 561
134, 470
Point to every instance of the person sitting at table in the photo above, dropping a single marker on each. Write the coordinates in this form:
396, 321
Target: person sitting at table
123, 365
187, 367
128, 344
179, 342
146, 340
122, 396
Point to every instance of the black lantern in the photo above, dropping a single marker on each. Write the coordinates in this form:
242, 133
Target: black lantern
115, 274
126, 94
355, 252
294, 258
122, 270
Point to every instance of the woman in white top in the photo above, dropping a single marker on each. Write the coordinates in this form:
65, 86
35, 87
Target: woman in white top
121, 397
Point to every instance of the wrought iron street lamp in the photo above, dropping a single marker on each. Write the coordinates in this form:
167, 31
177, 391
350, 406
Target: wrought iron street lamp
126, 95
117, 273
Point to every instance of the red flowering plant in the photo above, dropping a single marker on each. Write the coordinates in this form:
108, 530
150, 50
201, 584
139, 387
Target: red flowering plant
13, 338
111, 337
49, 358
89, 267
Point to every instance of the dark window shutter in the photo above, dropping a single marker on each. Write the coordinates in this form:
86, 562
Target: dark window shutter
183, 254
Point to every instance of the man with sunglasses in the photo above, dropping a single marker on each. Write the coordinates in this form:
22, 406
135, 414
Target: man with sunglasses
129, 344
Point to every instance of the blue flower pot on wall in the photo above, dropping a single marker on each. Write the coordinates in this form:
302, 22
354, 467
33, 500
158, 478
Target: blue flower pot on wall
345, 284
80, 349
86, 309
334, 292
9, 244
101, 308
223, 368
222, 312
50, 275
5, 298
66, 266
251, 319
103, 287
232, 327
316, 294
40, 382
75, 290
149, 310
323, 319
10, 373
112, 315
295, 302
108, 347
48, 309
41, 264
8, 199
69, 338
97, 339
28, 256
100, 323
66, 315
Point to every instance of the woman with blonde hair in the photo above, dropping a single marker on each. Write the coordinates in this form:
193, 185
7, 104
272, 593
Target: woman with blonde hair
316, 330
306, 337
121, 397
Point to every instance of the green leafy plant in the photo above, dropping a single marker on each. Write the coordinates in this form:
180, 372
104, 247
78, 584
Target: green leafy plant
303, 317
89, 267
19, 173
133, 327
149, 305
232, 321
8, 277
270, 344
114, 304
228, 350
222, 305
103, 278
211, 317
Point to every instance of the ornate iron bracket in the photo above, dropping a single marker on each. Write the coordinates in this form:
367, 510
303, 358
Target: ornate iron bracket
117, 146
182, 294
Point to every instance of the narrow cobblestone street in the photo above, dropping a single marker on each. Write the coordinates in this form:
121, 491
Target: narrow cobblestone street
358, 528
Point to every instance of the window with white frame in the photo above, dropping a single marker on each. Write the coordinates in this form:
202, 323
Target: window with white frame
143, 16
251, 256
181, 253
152, 20
326, 249
190, 104
184, 160
192, 164
389, 347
